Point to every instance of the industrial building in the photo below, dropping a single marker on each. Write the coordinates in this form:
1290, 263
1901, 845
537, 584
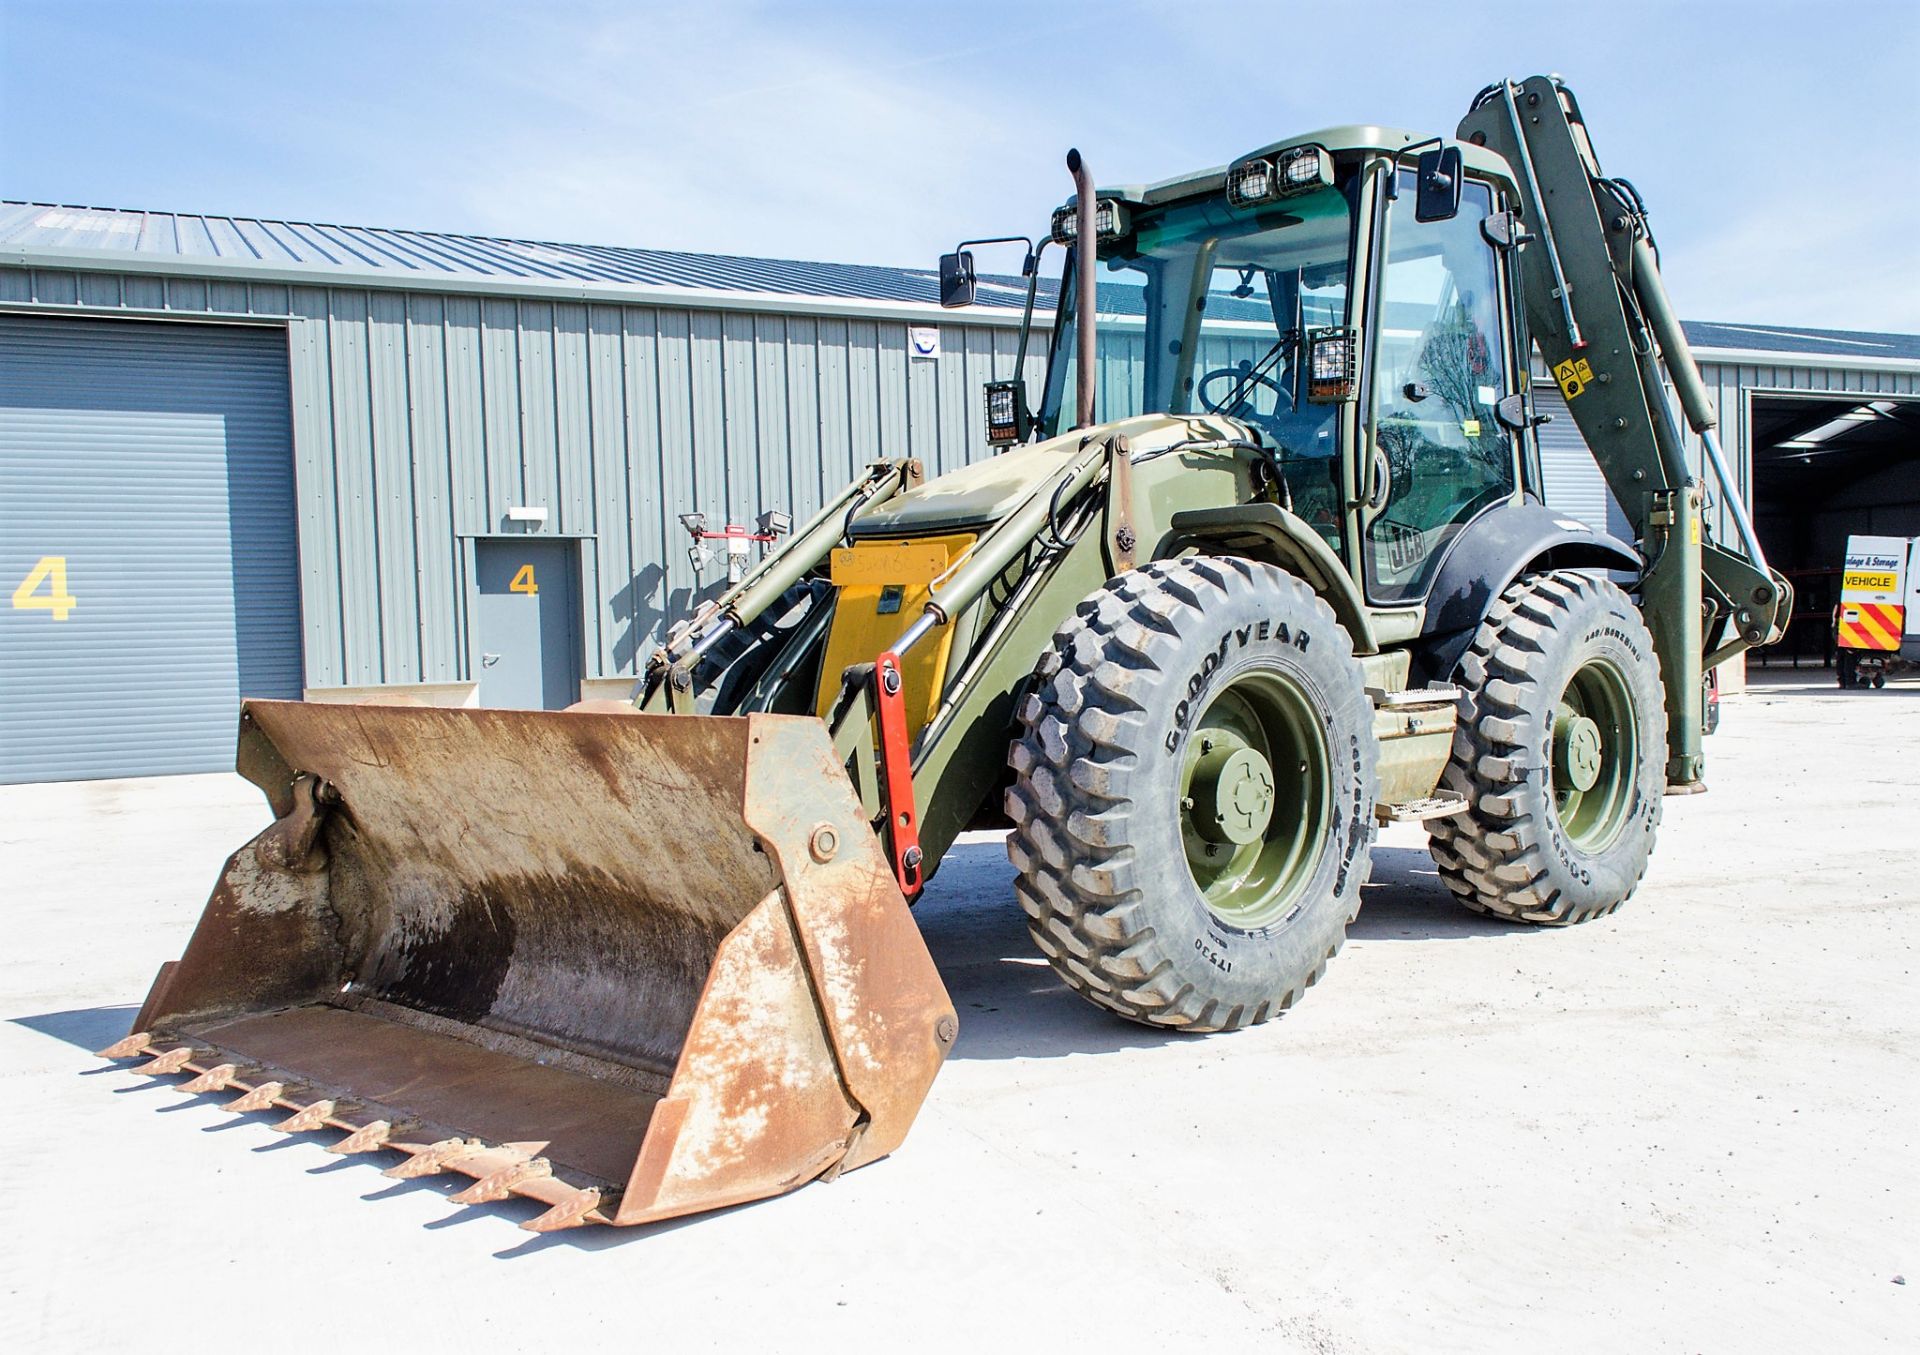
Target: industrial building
264, 458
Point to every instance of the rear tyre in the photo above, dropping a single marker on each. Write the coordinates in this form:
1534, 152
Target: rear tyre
1560, 751
1193, 798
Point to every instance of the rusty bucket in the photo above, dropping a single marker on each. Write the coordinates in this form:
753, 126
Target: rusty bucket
628, 966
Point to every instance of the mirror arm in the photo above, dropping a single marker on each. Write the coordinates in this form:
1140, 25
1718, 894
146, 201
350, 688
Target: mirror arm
1032, 269
1393, 180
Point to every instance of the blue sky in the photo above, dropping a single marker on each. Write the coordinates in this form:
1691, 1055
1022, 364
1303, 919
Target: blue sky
1767, 137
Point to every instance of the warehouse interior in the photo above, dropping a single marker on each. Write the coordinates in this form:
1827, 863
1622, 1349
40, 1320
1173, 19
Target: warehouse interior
1826, 467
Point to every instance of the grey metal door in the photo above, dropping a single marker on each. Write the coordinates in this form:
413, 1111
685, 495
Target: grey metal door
529, 623
1574, 484
148, 567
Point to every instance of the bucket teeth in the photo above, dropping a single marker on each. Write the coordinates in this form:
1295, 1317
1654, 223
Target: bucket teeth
570, 1212
131, 1047
499, 1185
215, 1079
435, 1157
170, 1062
307, 1119
368, 1138
261, 1097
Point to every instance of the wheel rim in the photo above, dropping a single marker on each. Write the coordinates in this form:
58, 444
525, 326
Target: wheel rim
1594, 752
1255, 800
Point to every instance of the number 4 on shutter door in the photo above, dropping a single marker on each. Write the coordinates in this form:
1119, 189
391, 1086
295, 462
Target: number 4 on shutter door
523, 581
51, 571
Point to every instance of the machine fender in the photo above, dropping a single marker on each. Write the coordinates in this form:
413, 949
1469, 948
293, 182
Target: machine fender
1493, 550
1266, 531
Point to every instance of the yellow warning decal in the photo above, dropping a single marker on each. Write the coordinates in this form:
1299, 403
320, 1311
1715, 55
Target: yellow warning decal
1574, 376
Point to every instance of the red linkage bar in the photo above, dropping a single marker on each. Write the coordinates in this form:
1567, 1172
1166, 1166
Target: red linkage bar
896, 772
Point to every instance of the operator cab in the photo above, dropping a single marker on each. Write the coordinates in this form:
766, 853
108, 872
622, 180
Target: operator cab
1340, 296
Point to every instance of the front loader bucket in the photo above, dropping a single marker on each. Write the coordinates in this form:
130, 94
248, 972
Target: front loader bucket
630, 966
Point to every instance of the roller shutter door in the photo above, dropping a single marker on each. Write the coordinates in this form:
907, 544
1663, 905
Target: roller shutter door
1574, 484
147, 544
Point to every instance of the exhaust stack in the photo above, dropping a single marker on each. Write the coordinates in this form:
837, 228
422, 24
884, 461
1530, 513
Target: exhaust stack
1086, 264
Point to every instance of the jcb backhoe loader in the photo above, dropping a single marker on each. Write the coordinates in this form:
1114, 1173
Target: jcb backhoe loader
1269, 566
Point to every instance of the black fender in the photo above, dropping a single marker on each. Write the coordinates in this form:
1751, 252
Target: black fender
1503, 543
1266, 531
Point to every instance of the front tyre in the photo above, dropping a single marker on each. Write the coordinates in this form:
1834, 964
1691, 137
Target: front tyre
1560, 751
1193, 795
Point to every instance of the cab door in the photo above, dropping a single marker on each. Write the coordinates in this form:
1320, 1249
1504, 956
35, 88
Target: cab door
1438, 456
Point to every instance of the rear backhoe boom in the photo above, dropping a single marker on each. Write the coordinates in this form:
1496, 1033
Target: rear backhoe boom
1599, 312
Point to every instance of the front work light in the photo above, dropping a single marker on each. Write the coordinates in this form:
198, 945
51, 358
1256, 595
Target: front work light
1331, 363
1109, 221
1008, 421
1298, 169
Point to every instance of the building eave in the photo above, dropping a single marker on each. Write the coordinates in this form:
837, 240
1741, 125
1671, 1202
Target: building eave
600, 293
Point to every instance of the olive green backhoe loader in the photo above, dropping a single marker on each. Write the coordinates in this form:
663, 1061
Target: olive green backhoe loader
1270, 565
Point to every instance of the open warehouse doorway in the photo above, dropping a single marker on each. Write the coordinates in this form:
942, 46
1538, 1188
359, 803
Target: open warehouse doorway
1826, 466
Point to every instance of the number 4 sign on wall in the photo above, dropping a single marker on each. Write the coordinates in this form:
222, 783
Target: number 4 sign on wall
52, 572
523, 581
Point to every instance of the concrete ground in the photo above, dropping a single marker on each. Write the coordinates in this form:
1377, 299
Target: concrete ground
1691, 1127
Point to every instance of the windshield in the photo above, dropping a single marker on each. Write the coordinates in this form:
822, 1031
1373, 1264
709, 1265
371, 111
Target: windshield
1204, 309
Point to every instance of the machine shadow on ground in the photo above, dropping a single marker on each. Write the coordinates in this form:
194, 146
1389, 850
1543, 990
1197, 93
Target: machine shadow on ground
1405, 900
87, 1028
1011, 1005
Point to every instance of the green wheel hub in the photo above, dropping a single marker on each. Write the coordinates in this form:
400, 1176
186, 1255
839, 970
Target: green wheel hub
1255, 799
1595, 749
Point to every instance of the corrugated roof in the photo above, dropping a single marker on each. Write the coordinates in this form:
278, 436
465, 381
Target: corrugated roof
54, 230
1796, 339
430, 255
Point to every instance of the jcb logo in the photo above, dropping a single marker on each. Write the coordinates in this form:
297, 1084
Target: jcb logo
1574, 376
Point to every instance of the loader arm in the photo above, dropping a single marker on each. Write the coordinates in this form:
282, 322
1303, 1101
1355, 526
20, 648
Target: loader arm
1600, 314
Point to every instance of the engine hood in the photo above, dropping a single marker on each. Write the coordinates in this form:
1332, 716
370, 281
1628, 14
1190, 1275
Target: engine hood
979, 495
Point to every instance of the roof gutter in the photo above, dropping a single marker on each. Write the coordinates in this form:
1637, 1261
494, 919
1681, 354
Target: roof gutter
1763, 357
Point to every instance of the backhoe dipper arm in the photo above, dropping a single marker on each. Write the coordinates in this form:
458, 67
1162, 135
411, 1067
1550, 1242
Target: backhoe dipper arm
1598, 311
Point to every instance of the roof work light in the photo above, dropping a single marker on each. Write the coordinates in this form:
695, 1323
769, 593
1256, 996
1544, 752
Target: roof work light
1298, 169
1109, 221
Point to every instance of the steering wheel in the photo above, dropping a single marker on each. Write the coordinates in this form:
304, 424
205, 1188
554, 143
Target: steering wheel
1245, 380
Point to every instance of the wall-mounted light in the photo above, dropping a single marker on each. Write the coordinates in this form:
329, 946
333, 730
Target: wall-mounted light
526, 512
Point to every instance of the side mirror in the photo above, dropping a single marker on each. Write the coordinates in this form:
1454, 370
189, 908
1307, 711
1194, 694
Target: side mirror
1438, 175
956, 279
